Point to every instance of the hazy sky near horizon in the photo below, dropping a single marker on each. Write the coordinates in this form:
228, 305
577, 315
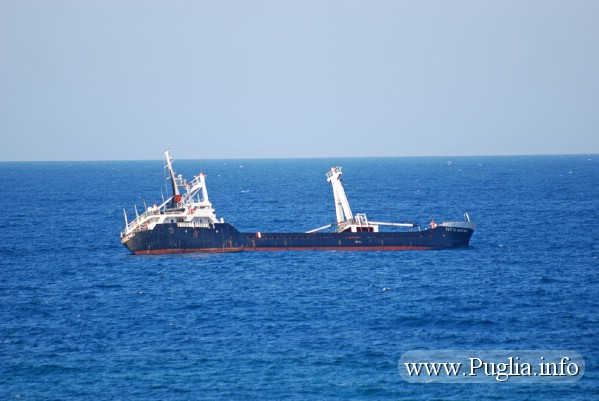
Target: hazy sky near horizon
107, 80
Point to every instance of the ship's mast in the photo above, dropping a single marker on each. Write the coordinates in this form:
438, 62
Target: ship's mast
176, 194
342, 208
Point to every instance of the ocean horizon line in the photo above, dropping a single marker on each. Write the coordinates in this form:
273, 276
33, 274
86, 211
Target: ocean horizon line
304, 158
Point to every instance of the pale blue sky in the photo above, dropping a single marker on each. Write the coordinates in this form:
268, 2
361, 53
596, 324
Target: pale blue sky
92, 80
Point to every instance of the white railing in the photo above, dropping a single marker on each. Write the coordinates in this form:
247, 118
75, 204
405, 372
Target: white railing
333, 171
193, 187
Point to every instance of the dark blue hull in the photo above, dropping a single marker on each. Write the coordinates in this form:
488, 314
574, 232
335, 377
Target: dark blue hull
223, 237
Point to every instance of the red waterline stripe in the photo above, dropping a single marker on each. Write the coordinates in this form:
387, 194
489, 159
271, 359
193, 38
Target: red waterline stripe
342, 248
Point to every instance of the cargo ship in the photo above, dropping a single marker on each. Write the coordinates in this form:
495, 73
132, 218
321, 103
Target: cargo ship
187, 222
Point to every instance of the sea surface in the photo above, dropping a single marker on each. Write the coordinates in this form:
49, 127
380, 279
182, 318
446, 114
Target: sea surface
83, 319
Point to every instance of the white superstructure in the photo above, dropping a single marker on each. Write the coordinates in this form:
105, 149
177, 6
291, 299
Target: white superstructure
188, 207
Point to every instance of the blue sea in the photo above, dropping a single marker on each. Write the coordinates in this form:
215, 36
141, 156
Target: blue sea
83, 319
